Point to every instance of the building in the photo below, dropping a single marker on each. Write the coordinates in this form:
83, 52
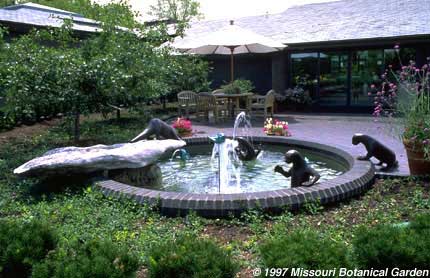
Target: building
335, 50
20, 19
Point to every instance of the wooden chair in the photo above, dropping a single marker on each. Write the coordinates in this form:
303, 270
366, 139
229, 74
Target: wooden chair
207, 102
187, 101
264, 103
218, 91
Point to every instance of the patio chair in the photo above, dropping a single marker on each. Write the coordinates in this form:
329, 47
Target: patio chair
207, 103
218, 91
264, 103
187, 101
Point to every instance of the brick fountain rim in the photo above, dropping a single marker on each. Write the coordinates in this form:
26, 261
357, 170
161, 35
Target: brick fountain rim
353, 182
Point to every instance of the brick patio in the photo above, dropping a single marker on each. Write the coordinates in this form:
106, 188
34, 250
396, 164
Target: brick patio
333, 130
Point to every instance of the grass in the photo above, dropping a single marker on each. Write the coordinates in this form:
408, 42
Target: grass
79, 212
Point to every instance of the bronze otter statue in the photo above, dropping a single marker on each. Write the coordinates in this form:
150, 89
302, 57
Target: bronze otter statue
376, 149
301, 172
160, 129
245, 151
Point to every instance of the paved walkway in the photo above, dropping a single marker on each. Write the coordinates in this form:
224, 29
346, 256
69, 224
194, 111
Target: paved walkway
334, 130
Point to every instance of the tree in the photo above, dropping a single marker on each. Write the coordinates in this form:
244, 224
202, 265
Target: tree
118, 12
5, 3
181, 12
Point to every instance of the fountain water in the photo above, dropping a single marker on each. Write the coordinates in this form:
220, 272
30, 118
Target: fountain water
228, 162
242, 120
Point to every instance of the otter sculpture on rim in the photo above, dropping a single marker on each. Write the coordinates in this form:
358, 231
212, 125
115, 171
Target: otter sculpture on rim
376, 149
160, 129
301, 172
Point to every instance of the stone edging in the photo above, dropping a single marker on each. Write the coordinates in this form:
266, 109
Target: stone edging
353, 182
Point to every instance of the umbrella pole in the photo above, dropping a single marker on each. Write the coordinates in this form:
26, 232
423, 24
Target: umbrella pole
231, 65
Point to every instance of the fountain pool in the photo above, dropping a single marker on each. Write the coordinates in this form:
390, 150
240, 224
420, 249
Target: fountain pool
199, 173
346, 177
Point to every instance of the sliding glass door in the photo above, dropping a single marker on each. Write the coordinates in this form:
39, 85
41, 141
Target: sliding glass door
333, 79
367, 67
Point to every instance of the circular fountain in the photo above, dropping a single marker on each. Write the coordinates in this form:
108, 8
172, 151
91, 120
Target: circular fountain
207, 177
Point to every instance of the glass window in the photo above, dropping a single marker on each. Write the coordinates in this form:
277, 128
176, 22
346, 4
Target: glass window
397, 57
304, 73
333, 78
367, 67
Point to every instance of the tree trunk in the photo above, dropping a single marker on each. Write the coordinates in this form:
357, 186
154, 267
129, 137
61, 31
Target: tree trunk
164, 102
76, 127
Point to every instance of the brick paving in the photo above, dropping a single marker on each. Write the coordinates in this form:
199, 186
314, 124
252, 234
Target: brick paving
333, 130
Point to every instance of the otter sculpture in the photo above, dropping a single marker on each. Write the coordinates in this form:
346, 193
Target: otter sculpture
376, 149
245, 151
160, 129
301, 172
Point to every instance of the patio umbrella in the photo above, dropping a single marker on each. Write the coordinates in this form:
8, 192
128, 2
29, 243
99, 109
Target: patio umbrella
229, 40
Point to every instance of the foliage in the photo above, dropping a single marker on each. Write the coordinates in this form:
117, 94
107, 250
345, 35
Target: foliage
180, 12
187, 72
407, 98
391, 246
190, 257
22, 244
183, 126
5, 3
238, 86
44, 73
119, 12
303, 249
95, 258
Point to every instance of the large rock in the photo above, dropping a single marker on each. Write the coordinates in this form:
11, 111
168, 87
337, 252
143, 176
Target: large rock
72, 160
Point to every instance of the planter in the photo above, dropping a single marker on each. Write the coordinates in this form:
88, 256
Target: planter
418, 165
276, 133
186, 134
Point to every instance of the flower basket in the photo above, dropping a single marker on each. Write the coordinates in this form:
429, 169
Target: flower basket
276, 128
183, 127
418, 165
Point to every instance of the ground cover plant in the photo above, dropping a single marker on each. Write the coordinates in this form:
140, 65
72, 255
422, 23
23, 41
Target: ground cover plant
188, 257
78, 212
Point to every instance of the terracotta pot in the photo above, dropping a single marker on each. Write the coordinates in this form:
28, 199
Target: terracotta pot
417, 164
186, 134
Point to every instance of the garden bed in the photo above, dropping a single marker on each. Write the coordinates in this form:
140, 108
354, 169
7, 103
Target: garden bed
76, 211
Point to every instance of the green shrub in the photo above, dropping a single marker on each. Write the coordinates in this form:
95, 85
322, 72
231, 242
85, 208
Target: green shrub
238, 86
91, 259
22, 244
421, 223
303, 249
388, 246
188, 257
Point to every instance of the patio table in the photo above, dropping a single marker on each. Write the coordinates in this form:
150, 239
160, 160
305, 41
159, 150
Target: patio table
234, 100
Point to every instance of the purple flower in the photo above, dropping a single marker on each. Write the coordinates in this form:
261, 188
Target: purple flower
426, 141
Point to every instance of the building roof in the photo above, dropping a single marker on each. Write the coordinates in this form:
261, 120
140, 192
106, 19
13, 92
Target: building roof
43, 16
334, 21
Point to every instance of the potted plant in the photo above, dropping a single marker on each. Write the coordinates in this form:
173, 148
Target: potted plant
238, 86
275, 127
404, 98
183, 127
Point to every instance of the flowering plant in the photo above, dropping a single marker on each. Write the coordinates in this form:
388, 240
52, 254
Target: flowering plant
183, 126
275, 127
405, 96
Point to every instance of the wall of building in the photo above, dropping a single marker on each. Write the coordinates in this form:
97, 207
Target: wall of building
254, 67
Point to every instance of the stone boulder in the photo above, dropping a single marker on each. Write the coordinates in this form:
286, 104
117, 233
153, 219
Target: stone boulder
75, 160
